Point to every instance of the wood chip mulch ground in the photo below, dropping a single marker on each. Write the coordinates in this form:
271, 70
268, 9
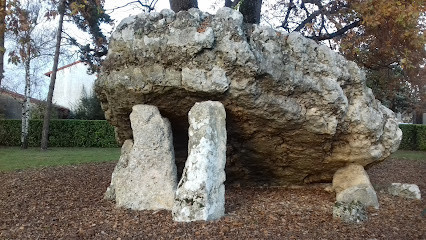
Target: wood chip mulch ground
66, 203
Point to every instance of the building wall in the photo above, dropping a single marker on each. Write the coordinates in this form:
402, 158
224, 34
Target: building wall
69, 85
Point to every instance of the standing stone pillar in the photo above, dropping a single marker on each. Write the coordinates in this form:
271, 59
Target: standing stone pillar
201, 192
352, 183
145, 175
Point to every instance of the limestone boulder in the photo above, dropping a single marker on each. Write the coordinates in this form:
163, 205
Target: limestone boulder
350, 212
350, 176
201, 191
405, 190
363, 194
296, 110
145, 176
352, 183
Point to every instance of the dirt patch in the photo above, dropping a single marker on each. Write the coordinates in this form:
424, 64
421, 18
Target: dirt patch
66, 203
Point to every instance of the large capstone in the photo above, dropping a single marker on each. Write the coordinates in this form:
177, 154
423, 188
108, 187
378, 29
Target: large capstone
201, 191
145, 175
296, 110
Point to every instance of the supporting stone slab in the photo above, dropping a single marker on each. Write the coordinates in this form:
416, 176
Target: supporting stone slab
352, 183
201, 192
145, 176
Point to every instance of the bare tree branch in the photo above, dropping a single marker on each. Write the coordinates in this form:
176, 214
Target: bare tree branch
287, 15
322, 10
150, 7
338, 32
322, 24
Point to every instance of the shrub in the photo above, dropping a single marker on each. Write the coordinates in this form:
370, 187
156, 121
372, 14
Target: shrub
10, 132
89, 107
413, 137
62, 133
421, 137
408, 141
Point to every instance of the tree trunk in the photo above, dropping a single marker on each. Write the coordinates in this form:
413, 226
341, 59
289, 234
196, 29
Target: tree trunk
183, 5
2, 32
251, 10
46, 120
26, 104
231, 4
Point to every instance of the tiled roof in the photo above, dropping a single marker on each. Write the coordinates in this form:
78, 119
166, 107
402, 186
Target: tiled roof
21, 97
61, 68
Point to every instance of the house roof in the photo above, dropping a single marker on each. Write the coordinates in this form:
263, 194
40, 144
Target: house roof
63, 67
19, 96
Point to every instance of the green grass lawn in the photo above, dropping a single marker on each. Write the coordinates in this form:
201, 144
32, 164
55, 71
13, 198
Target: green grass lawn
14, 158
410, 155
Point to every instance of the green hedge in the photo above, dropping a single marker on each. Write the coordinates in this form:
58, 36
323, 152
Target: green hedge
94, 133
413, 137
62, 133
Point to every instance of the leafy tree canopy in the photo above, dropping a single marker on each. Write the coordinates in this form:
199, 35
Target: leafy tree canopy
87, 15
386, 37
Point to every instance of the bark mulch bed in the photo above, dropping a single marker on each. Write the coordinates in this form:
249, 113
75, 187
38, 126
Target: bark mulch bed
66, 203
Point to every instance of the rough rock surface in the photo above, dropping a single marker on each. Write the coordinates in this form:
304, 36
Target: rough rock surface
201, 191
405, 190
352, 212
352, 183
145, 175
296, 111
364, 194
349, 176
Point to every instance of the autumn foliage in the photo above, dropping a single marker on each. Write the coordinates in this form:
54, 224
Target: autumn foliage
390, 44
391, 33
386, 37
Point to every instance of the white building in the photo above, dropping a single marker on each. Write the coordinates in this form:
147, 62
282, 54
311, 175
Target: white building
71, 81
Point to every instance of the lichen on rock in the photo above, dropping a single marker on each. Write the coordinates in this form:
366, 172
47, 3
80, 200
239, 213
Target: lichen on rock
296, 110
145, 175
405, 190
200, 194
352, 212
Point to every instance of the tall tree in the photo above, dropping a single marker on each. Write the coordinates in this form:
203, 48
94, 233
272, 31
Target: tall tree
251, 10
23, 21
182, 5
384, 36
47, 114
232, 4
5, 16
87, 15
391, 34
2, 35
